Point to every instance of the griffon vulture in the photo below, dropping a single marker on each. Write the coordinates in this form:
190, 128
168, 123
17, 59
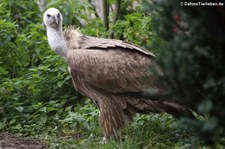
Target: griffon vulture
112, 73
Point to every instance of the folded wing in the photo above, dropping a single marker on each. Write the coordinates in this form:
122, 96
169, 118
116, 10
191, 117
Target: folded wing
114, 66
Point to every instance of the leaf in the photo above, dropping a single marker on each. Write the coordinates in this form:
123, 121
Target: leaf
60, 83
44, 118
44, 109
20, 108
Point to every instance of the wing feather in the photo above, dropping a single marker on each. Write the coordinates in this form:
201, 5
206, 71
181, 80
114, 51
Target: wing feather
111, 65
96, 43
113, 70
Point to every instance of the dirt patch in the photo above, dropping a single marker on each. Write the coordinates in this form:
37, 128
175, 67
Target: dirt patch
9, 141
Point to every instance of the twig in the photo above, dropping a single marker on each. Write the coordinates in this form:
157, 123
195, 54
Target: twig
105, 7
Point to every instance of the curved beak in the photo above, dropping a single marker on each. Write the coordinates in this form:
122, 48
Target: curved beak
56, 20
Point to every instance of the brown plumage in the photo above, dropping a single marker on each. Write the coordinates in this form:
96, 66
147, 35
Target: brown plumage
114, 74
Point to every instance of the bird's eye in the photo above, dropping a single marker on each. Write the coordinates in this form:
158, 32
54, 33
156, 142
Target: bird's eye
48, 15
58, 15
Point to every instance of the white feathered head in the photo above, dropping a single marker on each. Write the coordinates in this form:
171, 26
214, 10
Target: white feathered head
53, 18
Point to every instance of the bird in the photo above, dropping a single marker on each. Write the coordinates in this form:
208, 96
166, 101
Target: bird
114, 74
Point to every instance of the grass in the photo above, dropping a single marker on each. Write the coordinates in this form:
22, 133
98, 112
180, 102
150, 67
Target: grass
146, 131
79, 129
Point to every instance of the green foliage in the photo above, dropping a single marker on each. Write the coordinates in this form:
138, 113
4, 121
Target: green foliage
37, 98
7, 48
20, 33
146, 131
36, 88
192, 59
21, 12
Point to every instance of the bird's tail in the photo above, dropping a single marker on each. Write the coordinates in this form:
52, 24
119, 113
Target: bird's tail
159, 106
117, 113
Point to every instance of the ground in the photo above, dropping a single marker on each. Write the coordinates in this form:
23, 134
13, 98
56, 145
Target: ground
146, 131
9, 141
